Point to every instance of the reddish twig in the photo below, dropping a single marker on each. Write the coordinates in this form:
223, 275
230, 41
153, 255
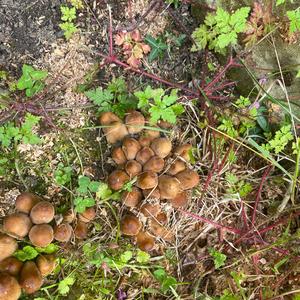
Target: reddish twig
213, 223
257, 198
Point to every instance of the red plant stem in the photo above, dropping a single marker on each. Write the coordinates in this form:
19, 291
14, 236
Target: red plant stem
222, 86
229, 65
258, 194
244, 215
115, 60
111, 53
213, 223
279, 222
224, 159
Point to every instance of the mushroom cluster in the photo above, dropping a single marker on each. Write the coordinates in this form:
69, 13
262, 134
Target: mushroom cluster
159, 172
33, 218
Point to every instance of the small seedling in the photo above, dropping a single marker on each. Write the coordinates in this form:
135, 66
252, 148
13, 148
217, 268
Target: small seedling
10, 133
31, 80
218, 257
133, 47
167, 283
158, 47
114, 98
237, 186
63, 174
29, 252
68, 16
294, 18
159, 105
220, 30
64, 285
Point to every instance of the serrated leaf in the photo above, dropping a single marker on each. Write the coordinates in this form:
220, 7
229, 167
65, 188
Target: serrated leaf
27, 253
126, 256
142, 257
51, 248
64, 285
94, 186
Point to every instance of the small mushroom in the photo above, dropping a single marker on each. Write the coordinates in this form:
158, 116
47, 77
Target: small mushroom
8, 246
152, 193
135, 122
115, 132
26, 201
164, 124
188, 179
154, 164
88, 215
176, 167
17, 224
11, 266
31, 278
117, 179
160, 231
147, 180
150, 210
118, 156
162, 218
148, 136
41, 235
130, 225
168, 186
161, 147
183, 151
152, 133
108, 117
130, 147
133, 168
132, 198
180, 200
46, 264
145, 241
81, 230
9, 287
69, 216
63, 232
42, 212
144, 155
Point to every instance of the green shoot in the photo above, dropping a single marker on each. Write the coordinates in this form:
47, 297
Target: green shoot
31, 80
220, 30
218, 257
68, 16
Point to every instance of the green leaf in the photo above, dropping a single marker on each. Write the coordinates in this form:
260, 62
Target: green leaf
104, 192
68, 14
102, 98
142, 257
81, 204
38, 75
83, 182
68, 28
294, 18
27, 253
219, 258
94, 186
158, 47
51, 248
279, 2
126, 256
64, 285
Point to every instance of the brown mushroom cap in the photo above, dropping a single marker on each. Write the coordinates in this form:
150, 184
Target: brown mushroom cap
150, 210
164, 124
63, 232
69, 216
41, 235
176, 167
46, 264
145, 141
152, 133
132, 198
130, 225
160, 231
9, 287
130, 147
26, 201
118, 156
31, 279
147, 180
188, 179
133, 168
8, 246
117, 179
151, 193
108, 117
88, 215
162, 218
115, 132
144, 155
168, 186
183, 151
145, 241
180, 200
17, 224
42, 212
11, 266
161, 147
81, 230
154, 164
135, 122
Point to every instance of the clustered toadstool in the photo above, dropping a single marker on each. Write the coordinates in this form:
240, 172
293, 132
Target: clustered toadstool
33, 218
160, 174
